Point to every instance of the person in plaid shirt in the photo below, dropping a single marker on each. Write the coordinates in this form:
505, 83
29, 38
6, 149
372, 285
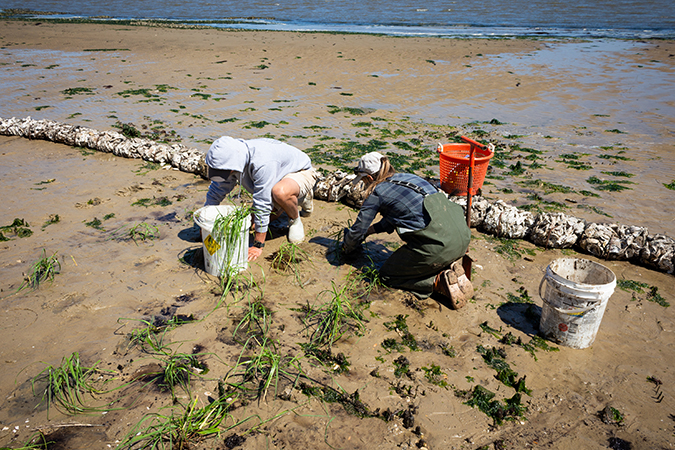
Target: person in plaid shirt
433, 228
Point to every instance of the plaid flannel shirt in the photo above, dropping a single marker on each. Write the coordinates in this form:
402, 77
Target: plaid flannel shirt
399, 206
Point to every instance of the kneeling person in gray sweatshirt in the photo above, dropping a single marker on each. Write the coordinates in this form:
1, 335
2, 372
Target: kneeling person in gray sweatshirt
279, 176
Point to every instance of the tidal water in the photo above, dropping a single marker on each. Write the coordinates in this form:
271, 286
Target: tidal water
631, 19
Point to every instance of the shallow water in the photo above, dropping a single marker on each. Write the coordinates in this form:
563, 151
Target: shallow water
577, 18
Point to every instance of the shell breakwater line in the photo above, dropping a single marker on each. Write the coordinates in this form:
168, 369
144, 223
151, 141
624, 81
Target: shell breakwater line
549, 230
183, 158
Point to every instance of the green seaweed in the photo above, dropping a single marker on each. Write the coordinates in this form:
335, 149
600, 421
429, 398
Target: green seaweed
353, 111
19, 227
594, 209
547, 187
522, 297
611, 415
632, 285
95, 223
147, 202
351, 403
256, 124
391, 344
338, 364
509, 248
401, 367
509, 409
488, 329
435, 376
401, 327
589, 194
144, 92
77, 90
654, 296
608, 185
619, 174
515, 169
53, 218
618, 157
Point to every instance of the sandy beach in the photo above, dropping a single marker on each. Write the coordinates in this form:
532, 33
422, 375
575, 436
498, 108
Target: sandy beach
570, 101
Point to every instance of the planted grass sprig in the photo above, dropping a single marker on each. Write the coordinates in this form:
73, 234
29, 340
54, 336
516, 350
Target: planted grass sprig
150, 337
366, 280
179, 430
264, 370
140, 232
44, 269
65, 386
287, 258
37, 441
334, 318
256, 321
336, 244
179, 370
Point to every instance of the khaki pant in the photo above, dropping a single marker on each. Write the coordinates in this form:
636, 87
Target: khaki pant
306, 180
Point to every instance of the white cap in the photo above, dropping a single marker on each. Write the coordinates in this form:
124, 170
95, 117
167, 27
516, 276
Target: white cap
369, 164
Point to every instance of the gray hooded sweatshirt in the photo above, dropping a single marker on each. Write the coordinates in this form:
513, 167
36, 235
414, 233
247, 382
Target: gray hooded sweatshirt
262, 164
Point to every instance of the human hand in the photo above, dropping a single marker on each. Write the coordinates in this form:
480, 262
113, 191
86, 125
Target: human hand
253, 253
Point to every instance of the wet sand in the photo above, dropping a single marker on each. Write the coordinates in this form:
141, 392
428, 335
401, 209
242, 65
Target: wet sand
106, 285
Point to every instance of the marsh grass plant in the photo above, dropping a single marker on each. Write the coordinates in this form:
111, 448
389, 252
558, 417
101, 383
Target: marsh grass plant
239, 286
264, 369
365, 280
256, 320
37, 441
150, 336
287, 259
180, 430
179, 369
335, 247
65, 386
44, 269
139, 232
333, 319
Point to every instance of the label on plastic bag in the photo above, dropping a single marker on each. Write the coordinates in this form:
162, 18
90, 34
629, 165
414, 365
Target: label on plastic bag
211, 245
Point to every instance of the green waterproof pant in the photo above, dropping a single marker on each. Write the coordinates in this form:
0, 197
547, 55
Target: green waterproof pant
414, 266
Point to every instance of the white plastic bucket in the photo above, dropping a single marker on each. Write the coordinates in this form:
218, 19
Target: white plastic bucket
218, 258
577, 293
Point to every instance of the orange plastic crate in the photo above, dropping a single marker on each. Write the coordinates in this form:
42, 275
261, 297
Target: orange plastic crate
454, 161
